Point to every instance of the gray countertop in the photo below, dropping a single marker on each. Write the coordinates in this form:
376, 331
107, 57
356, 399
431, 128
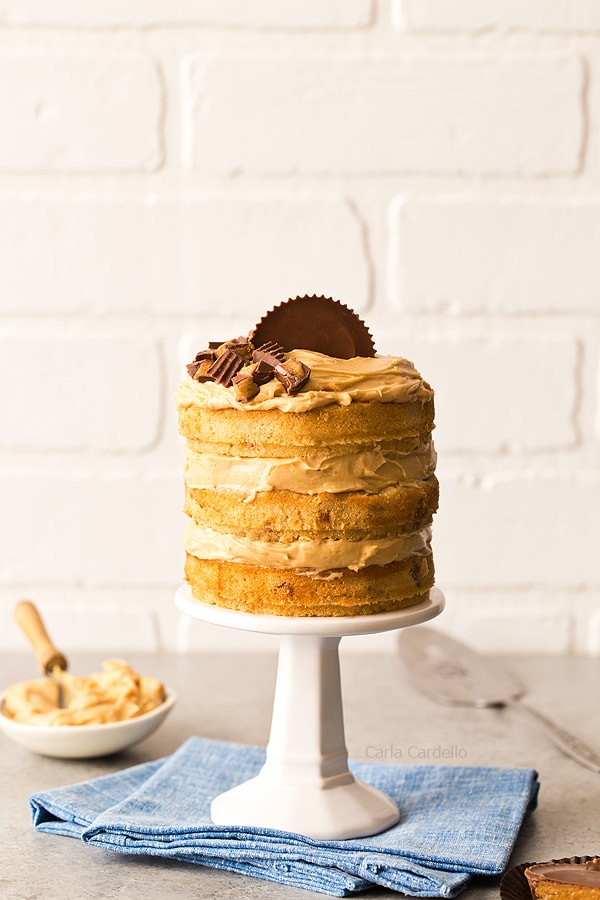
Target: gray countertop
230, 697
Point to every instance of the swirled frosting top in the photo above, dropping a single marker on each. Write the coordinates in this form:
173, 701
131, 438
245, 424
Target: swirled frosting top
387, 379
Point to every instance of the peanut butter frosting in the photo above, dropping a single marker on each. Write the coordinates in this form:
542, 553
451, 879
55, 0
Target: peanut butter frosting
316, 556
370, 470
387, 379
116, 694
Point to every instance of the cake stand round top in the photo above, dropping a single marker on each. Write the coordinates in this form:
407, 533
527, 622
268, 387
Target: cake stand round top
338, 626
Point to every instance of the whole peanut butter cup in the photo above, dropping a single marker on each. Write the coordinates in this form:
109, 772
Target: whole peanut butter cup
315, 323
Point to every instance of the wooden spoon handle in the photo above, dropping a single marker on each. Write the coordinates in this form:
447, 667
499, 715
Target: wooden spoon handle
29, 620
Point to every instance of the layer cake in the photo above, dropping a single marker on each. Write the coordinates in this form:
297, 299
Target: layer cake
309, 475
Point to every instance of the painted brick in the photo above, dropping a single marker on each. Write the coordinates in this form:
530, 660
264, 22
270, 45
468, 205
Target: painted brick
79, 392
172, 254
269, 14
518, 532
69, 112
86, 620
90, 529
354, 115
524, 392
500, 256
469, 15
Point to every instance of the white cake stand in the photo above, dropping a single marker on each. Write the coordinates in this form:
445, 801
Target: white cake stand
305, 785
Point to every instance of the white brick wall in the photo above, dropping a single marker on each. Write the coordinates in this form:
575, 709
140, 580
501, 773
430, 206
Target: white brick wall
499, 395
170, 170
71, 392
527, 258
166, 254
79, 112
474, 15
385, 115
260, 14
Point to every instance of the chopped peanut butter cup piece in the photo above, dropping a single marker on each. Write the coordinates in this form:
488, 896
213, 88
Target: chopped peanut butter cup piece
198, 368
293, 374
262, 371
225, 367
244, 385
240, 345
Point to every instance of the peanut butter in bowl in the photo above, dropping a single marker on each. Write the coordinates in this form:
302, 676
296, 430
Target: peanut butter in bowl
100, 714
116, 694
77, 717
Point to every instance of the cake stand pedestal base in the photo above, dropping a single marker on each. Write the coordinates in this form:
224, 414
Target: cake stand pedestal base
305, 785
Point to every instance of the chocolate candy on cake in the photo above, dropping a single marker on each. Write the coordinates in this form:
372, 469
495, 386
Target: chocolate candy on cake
239, 364
316, 323
198, 368
293, 374
225, 367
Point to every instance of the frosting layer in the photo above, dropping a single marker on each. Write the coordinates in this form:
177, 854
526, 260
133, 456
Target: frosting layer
370, 470
318, 555
387, 379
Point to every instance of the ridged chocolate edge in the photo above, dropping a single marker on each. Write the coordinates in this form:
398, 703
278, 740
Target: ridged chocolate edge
359, 322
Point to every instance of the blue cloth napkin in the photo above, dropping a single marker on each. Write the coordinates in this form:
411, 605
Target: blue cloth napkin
456, 821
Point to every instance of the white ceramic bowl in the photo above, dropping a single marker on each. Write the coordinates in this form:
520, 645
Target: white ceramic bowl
84, 741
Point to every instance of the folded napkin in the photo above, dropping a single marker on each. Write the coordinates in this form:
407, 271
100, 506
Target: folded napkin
456, 821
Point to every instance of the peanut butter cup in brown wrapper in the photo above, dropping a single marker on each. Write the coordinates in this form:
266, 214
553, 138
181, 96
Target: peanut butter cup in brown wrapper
315, 323
515, 886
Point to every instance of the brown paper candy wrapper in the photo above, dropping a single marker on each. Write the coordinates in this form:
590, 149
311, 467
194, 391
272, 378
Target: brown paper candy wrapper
514, 884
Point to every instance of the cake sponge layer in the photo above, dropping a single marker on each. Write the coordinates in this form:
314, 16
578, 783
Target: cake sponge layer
285, 515
271, 591
256, 432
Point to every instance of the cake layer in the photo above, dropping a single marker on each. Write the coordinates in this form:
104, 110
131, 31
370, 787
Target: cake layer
282, 452
256, 432
284, 515
271, 591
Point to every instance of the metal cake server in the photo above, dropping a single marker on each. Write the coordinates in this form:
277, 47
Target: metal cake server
452, 673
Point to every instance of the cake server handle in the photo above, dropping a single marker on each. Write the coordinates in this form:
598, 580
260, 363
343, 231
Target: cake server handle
568, 743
